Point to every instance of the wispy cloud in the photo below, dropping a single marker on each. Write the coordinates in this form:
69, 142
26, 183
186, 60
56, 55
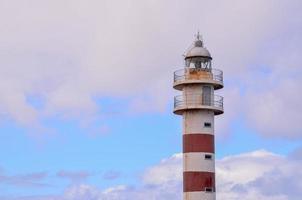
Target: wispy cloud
259, 174
111, 175
74, 176
25, 180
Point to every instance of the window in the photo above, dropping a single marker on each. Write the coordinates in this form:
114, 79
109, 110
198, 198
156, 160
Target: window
209, 189
207, 125
208, 157
198, 64
206, 96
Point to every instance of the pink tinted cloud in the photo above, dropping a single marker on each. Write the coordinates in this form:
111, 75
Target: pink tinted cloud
74, 176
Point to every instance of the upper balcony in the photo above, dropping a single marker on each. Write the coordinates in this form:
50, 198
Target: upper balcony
198, 102
198, 75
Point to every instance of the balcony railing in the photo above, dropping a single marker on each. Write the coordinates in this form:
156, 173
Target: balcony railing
198, 74
198, 101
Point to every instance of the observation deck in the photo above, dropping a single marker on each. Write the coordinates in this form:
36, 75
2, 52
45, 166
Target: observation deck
198, 75
198, 102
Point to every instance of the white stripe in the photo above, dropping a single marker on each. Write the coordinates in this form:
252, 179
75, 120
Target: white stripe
196, 162
199, 196
194, 122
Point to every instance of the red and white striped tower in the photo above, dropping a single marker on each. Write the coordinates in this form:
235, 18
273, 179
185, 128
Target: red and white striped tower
198, 105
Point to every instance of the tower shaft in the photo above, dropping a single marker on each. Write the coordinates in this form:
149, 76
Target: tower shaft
198, 153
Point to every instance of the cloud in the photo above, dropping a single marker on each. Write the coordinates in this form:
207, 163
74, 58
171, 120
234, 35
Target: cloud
25, 180
168, 170
111, 175
273, 101
266, 92
258, 174
82, 192
276, 112
74, 176
232, 110
58, 61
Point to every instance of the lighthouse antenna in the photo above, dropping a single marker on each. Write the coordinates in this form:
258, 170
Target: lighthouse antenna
198, 36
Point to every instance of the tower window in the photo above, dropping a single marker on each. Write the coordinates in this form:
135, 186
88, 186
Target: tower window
208, 157
209, 189
207, 125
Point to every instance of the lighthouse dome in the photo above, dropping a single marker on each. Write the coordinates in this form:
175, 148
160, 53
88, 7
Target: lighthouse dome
198, 50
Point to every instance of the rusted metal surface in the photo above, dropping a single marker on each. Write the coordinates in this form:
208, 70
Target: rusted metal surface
198, 74
189, 76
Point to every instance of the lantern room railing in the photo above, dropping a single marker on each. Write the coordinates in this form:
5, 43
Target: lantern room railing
198, 101
198, 74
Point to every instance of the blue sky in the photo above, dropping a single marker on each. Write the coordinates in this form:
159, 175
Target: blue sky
86, 97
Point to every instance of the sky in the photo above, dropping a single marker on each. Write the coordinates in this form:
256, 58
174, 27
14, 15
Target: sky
86, 97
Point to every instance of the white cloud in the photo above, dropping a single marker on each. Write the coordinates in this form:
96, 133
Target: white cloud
276, 112
66, 55
232, 106
273, 99
258, 174
168, 170
82, 192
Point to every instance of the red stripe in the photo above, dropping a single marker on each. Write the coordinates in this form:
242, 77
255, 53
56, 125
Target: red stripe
198, 143
198, 181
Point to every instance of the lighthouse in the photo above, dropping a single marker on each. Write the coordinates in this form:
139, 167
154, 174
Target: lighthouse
198, 105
